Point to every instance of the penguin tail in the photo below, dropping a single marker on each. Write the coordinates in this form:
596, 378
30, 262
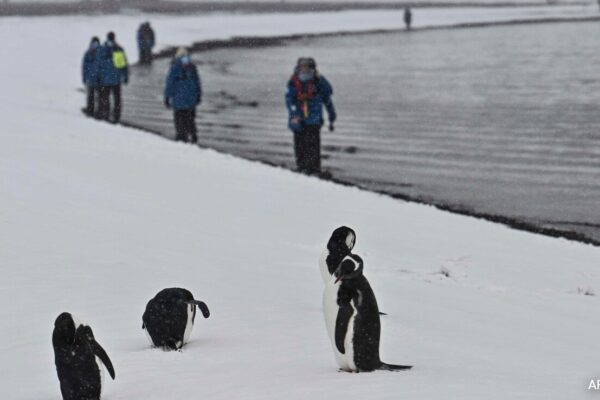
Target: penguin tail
392, 367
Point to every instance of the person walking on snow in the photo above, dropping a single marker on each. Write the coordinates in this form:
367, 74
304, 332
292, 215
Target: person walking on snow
183, 93
307, 93
145, 41
91, 77
113, 72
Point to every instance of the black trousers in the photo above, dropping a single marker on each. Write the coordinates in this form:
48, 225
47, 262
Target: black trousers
145, 56
104, 106
307, 146
185, 126
92, 94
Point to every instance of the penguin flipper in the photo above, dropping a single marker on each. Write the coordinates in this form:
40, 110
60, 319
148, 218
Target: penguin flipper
99, 351
341, 326
392, 367
202, 306
84, 332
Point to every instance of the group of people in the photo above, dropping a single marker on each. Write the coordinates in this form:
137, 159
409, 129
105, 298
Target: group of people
307, 93
104, 70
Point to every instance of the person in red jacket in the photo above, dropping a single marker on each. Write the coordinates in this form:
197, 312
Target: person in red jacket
307, 93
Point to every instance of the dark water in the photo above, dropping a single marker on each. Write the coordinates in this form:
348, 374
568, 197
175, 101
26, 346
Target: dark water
498, 121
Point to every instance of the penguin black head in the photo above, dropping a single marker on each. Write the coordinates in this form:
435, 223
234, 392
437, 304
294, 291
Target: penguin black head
351, 267
342, 240
64, 328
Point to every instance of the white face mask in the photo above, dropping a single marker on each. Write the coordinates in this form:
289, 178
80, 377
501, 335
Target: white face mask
306, 76
185, 59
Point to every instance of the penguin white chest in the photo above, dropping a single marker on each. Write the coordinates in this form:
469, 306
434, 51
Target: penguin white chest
189, 323
331, 309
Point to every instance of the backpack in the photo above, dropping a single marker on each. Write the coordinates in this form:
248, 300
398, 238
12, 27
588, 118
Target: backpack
119, 60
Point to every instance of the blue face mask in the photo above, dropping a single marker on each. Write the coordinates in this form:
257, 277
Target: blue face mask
185, 59
305, 76
94, 45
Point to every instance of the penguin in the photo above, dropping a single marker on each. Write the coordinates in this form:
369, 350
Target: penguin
352, 319
78, 356
340, 244
169, 318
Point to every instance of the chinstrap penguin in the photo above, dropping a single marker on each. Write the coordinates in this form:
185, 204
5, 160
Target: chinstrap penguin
352, 319
169, 317
77, 356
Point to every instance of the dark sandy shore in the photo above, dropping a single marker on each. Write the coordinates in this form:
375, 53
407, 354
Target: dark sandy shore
499, 123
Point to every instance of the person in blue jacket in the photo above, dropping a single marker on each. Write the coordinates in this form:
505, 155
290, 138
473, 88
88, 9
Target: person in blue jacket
90, 76
183, 93
307, 93
114, 71
145, 41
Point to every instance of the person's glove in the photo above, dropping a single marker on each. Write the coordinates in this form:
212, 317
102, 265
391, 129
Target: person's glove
167, 103
198, 100
126, 80
331, 127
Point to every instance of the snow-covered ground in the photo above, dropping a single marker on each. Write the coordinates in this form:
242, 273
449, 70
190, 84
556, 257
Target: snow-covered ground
95, 219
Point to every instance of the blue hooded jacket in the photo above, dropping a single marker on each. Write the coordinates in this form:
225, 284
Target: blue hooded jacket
90, 73
183, 87
306, 100
110, 75
145, 37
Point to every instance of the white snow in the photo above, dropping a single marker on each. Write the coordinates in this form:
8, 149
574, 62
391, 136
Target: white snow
95, 219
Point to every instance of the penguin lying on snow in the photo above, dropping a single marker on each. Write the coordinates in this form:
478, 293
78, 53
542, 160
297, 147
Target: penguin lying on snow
352, 319
169, 317
340, 244
77, 356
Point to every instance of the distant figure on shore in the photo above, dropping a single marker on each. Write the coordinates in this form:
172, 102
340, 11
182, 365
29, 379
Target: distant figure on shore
307, 93
183, 93
145, 41
408, 18
90, 74
113, 72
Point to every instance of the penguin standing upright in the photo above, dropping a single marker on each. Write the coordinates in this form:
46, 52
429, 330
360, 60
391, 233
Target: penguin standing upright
169, 317
352, 319
340, 244
77, 356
